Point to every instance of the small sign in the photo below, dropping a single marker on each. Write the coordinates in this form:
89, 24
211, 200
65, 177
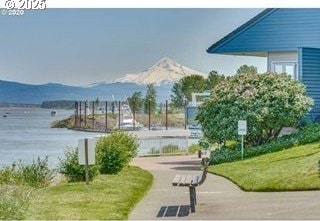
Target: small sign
242, 127
91, 151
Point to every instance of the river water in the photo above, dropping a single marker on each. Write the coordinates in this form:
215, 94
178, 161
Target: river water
25, 134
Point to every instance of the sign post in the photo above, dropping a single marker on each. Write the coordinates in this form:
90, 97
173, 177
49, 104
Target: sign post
242, 131
86, 160
86, 154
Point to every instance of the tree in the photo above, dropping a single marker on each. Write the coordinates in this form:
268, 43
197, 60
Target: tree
267, 101
151, 96
214, 79
192, 84
96, 103
185, 87
177, 97
245, 69
136, 100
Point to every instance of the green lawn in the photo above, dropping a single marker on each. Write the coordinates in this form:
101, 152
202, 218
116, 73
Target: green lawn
293, 169
107, 197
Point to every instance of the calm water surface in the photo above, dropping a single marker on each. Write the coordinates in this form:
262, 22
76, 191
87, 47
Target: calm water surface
26, 134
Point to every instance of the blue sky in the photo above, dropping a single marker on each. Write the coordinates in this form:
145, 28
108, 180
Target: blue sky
82, 46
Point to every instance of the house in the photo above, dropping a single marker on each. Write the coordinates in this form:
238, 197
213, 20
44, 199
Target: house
288, 38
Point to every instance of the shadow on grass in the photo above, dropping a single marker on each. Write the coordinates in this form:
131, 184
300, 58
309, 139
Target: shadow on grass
290, 158
174, 211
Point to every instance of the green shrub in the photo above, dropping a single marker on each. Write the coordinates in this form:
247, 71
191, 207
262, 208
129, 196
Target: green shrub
231, 144
115, 151
10, 176
65, 123
154, 151
203, 143
69, 166
36, 174
14, 201
308, 134
194, 148
170, 148
167, 150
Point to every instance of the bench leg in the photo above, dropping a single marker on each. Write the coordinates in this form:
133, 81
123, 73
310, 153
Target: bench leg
192, 199
195, 196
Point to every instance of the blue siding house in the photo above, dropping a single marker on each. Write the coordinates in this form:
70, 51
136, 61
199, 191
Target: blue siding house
288, 38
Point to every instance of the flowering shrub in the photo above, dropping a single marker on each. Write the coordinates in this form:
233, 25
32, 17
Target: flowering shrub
267, 101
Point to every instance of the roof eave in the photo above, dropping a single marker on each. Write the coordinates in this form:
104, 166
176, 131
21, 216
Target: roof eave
213, 49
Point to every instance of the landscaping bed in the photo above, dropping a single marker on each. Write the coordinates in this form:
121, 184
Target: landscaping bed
305, 135
288, 170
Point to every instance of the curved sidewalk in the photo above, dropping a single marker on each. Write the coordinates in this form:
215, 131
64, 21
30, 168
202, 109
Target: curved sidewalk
218, 198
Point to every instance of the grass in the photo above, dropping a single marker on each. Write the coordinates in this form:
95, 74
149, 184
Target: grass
107, 197
288, 170
14, 201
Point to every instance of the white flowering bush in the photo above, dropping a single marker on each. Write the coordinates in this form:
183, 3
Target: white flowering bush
267, 101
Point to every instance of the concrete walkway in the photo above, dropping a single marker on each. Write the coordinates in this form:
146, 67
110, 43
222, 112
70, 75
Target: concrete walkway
217, 198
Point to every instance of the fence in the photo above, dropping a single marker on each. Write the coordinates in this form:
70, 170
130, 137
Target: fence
107, 116
162, 142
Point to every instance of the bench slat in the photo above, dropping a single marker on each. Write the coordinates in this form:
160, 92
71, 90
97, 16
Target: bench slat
181, 182
176, 180
188, 180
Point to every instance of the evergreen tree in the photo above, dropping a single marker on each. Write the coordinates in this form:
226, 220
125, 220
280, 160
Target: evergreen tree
214, 79
151, 96
136, 100
185, 87
245, 69
177, 97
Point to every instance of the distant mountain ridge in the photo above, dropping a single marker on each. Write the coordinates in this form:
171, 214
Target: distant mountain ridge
18, 93
163, 74
165, 71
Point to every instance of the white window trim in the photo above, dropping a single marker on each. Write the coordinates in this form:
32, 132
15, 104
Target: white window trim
286, 62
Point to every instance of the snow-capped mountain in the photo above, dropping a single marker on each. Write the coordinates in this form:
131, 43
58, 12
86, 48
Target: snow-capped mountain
164, 71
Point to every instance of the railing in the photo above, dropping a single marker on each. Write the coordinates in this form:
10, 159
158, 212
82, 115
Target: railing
161, 143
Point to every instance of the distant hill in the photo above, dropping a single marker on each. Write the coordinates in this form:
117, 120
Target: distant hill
59, 104
13, 92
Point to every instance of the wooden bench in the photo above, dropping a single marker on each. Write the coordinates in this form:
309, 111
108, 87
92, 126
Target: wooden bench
192, 181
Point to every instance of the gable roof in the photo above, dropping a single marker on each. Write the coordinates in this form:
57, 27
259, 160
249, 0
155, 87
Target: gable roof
213, 48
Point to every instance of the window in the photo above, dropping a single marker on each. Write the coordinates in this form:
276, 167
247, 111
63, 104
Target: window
285, 67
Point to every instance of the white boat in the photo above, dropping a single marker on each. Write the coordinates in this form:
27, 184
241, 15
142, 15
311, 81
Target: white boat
130, 124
